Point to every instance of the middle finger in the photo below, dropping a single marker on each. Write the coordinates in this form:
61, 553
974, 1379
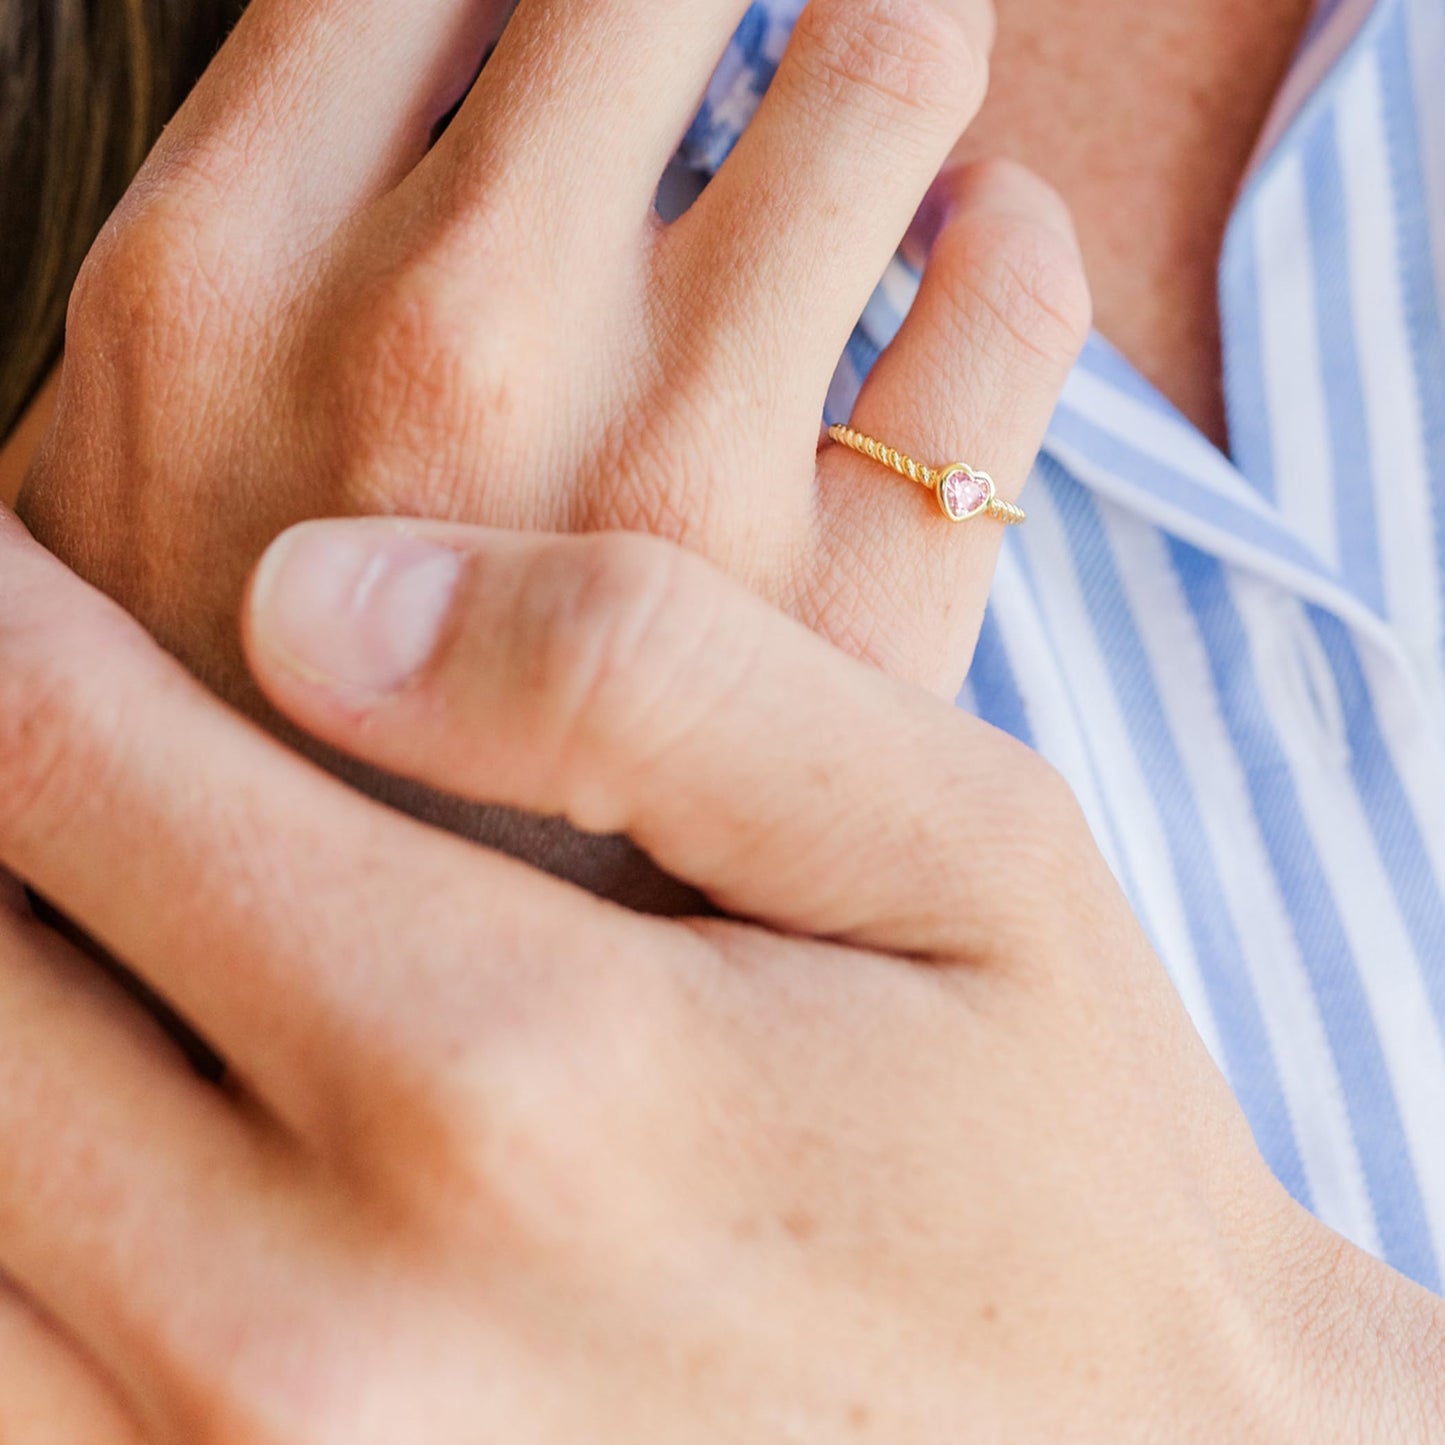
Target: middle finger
582, 106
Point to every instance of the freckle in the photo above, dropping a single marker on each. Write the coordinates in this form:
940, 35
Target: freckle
859, 1417
990, 1314
800, 1225
746, 1228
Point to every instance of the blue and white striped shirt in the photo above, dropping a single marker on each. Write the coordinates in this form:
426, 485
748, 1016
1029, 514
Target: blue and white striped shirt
1239, 661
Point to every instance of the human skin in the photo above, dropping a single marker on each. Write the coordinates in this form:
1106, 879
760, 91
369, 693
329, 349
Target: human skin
928, 1150
1151, 175
300, 310
1145, 117
1149, 168
178, 449
1150, 225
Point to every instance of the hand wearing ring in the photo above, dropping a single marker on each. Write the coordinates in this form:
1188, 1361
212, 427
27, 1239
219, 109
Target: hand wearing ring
962, 492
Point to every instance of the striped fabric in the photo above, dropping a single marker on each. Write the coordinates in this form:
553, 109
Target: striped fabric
1239, 661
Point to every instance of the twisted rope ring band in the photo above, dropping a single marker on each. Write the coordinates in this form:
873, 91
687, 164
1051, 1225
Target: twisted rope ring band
962, 493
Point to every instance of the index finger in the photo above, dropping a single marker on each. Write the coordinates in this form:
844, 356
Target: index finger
274, 908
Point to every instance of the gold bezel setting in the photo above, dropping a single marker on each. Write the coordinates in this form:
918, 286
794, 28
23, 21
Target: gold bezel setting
949, 487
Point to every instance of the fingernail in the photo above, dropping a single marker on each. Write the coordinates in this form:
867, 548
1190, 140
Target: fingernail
355, 608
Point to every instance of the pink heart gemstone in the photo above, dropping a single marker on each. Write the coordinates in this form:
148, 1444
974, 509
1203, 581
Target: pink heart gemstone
964, 494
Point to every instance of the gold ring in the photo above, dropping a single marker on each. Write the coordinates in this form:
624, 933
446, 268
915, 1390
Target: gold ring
962, 493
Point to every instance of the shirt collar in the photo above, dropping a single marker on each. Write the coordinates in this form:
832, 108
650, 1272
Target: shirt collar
1335, 27
1116, 434
1113, 432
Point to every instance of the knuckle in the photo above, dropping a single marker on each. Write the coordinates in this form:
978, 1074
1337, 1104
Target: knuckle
847, 614
564, 1122
78, 677
399, 357
1024, 913
1025, 281
418, 392
150, 287
522, 1125
619, 619
118, 279
910, 56
1046, 841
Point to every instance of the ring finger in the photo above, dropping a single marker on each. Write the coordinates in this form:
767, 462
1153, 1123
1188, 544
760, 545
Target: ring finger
973, 376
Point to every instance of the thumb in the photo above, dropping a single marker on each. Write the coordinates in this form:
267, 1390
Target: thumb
628, 685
